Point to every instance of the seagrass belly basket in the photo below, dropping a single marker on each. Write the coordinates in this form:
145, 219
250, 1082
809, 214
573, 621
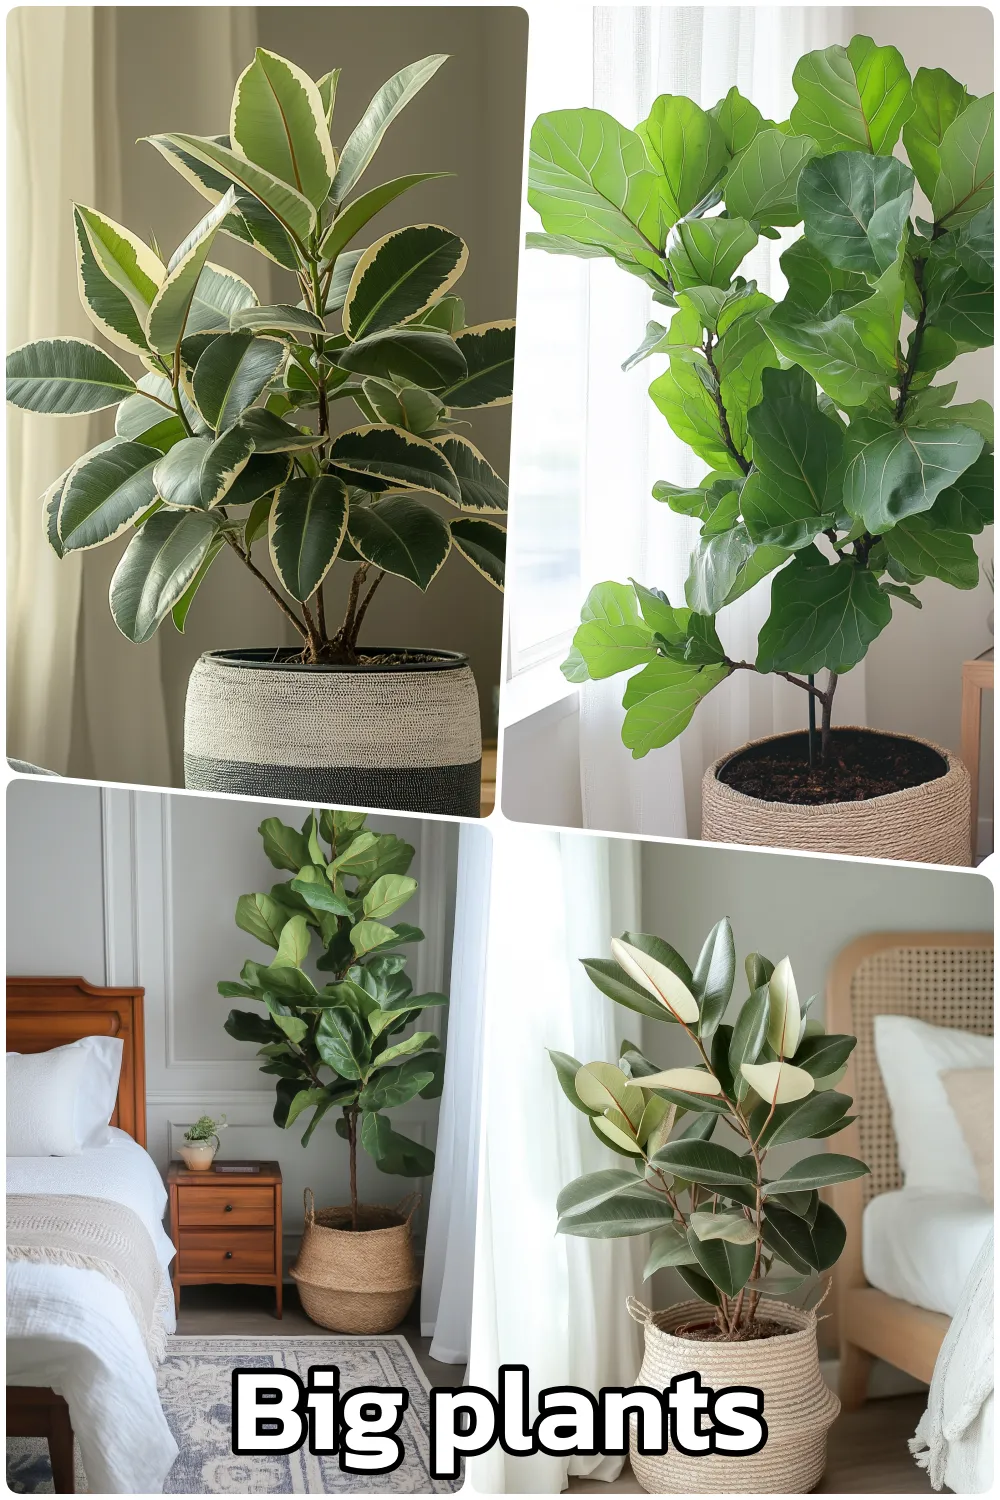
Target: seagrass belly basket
359, 1281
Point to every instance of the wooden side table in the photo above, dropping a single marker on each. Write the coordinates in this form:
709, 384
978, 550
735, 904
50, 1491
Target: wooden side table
226, 1225
977, 678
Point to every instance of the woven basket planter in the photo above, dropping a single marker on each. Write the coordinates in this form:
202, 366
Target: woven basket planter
357, 1282
798, 1405
402, 736
928, 823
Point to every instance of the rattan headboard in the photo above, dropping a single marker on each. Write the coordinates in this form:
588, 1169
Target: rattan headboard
44, 1013
945, 978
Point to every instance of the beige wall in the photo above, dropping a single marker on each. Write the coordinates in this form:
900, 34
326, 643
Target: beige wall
468, 121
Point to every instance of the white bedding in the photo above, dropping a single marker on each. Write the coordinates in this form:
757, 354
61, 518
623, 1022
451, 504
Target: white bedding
72, 1329
920, 1245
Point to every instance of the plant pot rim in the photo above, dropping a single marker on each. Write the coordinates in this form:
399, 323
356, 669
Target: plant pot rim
275, 659
854, 808
803, 1328
402, 1220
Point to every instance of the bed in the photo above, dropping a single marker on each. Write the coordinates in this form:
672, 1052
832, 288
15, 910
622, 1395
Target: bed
75, 1355
908, 1252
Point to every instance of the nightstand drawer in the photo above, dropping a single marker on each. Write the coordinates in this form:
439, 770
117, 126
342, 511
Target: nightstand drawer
243, 1252
225, 1206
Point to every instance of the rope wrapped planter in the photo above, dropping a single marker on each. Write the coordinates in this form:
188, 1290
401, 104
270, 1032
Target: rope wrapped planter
928, 823
405, 735
798, 1405
357, 1282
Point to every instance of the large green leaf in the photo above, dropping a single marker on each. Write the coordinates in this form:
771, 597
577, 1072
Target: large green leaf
231, 374
198, 471
488, 351
937, 100
683, 395
393, 457
270, 434
297, 322
65, 378
342, 1043
763, 182
590, 179
389, 101
661, 699
394, 1153
933, 552
794, 491
805, 1246
718, 563
402, 536
739, 120
292, 210
357, 214
965, 178
812, 280
742, 354
148, 416
728, 1266
393, 1086
481, 486
612, 636
422, 357
483, 544
803, 1120
104, 494
118, 277
712, 979
855, 208
706, 252
611, 979
218, 298
959, 304
687, 147
307, 526
156, 569
893, 470
262, 917
634, 1208
853, 98
823, 615
706, 1163
852, 353
167, 319
279, 122
401, 275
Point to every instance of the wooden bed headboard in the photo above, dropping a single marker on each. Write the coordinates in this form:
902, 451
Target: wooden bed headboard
44, 1013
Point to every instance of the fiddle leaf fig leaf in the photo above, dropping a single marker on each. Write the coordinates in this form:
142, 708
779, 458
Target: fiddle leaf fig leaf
823, 615
938, 99
854, 98
763, 182
894, 470
688, 149
855, 208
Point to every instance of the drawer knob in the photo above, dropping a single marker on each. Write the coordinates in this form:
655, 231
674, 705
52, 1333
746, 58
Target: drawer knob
229, 1208
229, 1255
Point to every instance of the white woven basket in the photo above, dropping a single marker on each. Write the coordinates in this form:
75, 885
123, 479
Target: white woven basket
798, 1405
928, 824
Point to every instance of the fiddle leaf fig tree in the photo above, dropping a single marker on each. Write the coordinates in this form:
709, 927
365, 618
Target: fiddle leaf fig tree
225, 435
733, 1229
340, 1044
838, 461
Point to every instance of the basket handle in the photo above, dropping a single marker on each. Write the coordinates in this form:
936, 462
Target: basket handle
309, 1206
638, 1311
408, 1206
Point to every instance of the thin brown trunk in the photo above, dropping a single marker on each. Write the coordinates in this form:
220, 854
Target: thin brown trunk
831, 688
352, 1141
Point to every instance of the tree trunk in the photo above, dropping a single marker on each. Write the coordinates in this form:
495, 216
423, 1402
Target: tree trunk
831, 688
352, 1139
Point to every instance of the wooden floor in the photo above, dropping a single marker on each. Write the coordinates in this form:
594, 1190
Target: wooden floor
866, 1454
249, 1310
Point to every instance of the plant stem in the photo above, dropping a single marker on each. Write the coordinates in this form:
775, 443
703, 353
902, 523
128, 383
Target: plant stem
721, 408
359, 617
916, 341
245, 559
352, 1141
831, 688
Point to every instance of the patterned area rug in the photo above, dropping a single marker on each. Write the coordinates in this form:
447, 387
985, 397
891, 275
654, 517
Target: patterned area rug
195, 1388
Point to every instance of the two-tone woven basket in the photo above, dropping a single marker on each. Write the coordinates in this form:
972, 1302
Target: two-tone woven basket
357, 1281
929, 824
798, 1405
402, 735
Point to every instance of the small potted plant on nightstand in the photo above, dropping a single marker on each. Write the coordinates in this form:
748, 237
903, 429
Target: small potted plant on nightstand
740, 1237
201, 1142
342, 1046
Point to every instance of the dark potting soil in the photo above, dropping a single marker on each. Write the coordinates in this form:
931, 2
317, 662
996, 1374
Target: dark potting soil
859, 764
708, 1333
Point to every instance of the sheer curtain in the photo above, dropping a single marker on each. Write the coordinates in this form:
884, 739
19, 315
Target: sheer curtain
639, 53
551, 1302
449, 1255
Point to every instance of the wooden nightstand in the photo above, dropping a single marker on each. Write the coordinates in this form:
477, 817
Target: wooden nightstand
226, 1225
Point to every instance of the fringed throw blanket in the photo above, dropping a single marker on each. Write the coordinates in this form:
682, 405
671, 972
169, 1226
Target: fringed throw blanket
94, 1234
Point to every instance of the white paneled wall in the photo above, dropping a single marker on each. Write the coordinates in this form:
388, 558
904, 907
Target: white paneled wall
128, 887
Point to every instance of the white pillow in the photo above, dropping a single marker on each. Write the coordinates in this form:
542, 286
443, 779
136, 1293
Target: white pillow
911, 1056
59, 1102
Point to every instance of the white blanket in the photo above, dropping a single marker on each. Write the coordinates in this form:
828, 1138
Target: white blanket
954, 1439
72, 1329
920, 1244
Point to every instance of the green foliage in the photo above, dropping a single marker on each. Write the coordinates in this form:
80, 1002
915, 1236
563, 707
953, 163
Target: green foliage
345, 1044
713, 1209
836, 463
205, 1129
224, 438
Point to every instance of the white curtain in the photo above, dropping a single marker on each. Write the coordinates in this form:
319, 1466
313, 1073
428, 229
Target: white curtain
50, 162
449, 1255
639, 53
554, 1303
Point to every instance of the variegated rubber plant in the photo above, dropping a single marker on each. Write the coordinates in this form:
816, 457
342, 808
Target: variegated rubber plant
733, 1232
339, 1045
835, 464
227, 440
